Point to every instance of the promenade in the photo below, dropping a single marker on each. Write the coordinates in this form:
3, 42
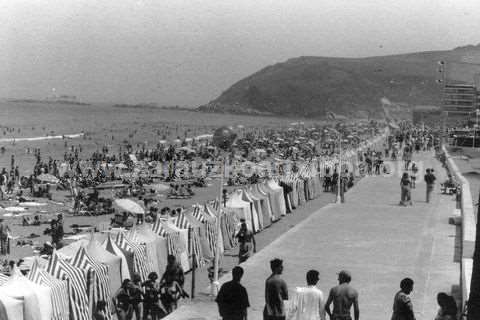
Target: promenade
374, 238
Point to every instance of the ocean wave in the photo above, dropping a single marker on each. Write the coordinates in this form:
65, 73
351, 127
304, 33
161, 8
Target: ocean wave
66, 136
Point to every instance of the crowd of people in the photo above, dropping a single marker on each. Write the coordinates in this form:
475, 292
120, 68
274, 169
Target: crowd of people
152, 299
156, 297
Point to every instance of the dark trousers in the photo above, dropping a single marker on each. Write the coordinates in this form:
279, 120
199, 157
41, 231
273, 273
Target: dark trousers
4, 246
429, 191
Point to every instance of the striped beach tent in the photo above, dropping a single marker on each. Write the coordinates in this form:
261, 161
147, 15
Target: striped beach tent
213, 234
11, 308
176, 245
198, 213
141, 264
167, 229
77, 285
159, 227
60, 303
125, 255
113, 262
100, 286
3, 278
228, 223
144, 235
37, 298
185, 220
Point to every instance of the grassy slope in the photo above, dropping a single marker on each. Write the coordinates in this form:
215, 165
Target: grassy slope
310, 86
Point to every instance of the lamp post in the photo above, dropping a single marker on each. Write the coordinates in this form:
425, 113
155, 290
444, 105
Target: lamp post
339, 185
477, 111
339, 197
223, 138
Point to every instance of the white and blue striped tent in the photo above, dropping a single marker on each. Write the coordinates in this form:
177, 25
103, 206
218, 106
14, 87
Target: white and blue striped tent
60, 303
100, 287
77, 285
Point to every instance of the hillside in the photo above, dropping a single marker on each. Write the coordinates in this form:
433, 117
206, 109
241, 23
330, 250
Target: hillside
315, 86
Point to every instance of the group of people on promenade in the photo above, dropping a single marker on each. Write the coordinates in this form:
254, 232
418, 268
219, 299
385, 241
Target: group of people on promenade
406, 184
309, 303
152, 299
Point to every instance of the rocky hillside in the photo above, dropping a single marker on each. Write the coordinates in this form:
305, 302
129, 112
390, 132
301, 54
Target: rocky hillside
317, 86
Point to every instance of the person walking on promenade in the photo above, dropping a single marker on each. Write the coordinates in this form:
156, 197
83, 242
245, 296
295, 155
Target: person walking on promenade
405, 190
275, 292
430, 181
232, 299
402, 305
309, 302
343, 297
246, 241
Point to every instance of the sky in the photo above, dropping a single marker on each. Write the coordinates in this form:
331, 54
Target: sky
178, 52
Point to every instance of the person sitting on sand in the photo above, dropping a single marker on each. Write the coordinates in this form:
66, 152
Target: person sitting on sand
182, 192
189, 190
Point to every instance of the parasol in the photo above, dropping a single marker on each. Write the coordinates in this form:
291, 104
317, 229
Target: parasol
46, 177
129, 205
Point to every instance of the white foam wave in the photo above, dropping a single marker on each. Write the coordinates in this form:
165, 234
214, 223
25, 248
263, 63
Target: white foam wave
67, 136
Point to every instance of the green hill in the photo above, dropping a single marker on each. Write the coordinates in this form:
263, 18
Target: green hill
314, 86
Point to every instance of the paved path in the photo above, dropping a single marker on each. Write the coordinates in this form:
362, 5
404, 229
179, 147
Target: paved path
378, 241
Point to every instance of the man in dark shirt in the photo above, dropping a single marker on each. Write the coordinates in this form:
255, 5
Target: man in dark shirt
232, 299
275, 292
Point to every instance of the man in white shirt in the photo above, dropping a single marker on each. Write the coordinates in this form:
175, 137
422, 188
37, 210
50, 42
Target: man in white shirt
309, 303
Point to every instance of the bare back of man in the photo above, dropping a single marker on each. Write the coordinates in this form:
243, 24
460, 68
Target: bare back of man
343, 297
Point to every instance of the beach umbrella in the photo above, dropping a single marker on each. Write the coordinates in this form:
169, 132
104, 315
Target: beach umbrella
129, 206
46, 177
224, 137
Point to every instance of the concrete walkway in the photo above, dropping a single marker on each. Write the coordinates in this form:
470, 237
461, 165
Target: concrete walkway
374, 238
